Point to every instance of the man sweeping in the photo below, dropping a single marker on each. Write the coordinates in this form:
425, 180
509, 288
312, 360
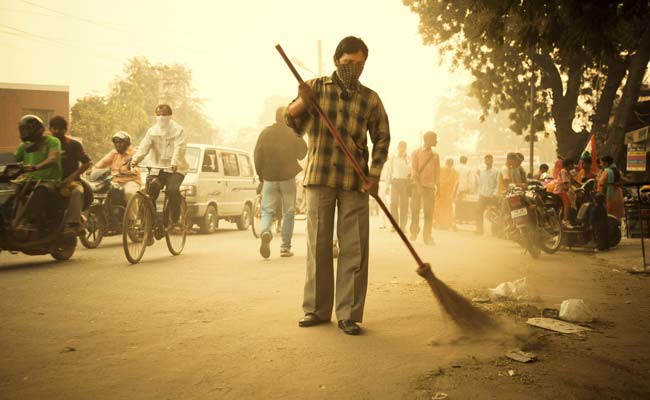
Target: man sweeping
332, 183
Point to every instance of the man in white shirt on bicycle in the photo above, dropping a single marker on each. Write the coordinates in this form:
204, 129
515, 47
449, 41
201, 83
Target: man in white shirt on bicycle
164, 144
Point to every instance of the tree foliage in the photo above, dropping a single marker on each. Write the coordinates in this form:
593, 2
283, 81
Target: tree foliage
575, 54
129, 106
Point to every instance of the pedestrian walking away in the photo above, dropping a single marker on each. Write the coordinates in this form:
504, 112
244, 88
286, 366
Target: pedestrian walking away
487, 191
399, 176
425, 169
332, 183
277, 153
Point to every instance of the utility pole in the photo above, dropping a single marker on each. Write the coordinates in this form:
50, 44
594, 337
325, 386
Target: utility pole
532, 117
320, 58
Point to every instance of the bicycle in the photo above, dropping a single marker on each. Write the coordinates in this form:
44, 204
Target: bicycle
143, 223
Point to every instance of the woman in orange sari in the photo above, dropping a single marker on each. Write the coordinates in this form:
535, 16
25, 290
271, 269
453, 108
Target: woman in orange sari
447, 188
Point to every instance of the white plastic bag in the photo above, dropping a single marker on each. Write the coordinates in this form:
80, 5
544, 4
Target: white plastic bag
575, 310
510, 290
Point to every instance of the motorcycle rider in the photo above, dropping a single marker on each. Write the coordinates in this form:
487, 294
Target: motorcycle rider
74, 162
165, 144
41, 155
128, 180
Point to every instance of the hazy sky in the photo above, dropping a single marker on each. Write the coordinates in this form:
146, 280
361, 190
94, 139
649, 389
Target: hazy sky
229, 46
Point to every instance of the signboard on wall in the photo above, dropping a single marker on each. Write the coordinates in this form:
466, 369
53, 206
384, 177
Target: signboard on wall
636, 159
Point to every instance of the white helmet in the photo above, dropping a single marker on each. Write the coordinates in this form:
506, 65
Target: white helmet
121, 136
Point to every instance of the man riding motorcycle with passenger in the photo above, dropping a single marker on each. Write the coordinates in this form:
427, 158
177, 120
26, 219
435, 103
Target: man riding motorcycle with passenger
41, 156
127, 179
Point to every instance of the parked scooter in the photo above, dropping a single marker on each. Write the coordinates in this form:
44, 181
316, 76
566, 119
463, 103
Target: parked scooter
49, 238
590, 224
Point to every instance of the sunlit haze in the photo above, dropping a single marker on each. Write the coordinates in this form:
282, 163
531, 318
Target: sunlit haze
229, 46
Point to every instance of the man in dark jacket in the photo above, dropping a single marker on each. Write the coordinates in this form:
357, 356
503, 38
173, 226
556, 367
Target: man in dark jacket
277, 152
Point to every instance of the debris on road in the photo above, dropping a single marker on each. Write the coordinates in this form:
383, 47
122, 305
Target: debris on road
556, 325
511, 372
510, 290
521, 356
68, 349
481, 300
440, 396
575, 310
550, 313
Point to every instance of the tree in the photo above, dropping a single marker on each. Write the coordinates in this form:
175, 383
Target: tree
564, 48
131, 102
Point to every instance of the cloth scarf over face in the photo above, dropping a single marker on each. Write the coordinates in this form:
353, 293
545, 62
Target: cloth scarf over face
347, 77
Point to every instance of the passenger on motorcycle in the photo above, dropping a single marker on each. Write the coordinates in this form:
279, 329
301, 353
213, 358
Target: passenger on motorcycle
165, 144
74, 162
128, 180
41, 156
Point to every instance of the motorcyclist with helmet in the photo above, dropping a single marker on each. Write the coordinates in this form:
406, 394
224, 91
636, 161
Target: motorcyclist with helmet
128, 179
41, 156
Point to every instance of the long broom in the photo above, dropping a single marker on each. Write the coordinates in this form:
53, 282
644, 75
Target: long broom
458, 308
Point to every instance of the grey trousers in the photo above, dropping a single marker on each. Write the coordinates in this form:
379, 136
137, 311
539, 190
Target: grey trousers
352, 262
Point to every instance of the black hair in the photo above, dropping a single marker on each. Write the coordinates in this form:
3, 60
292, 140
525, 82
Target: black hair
567, 162
350, 45
490, 156
58, 122
543, 167
165, 107
607, 159
463, 159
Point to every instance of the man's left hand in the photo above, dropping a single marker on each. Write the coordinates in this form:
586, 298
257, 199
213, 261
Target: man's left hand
371, 187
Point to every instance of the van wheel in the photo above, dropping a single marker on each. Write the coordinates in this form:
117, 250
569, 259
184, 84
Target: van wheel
244, 220
210, 221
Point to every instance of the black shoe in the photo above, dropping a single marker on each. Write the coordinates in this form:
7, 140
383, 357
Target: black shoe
349, 327
310, 320
265, 249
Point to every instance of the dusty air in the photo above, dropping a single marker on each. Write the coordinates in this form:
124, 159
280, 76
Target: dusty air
345, 200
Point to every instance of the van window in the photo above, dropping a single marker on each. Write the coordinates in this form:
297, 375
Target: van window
246, 167
192, 155
210, 163
230, 166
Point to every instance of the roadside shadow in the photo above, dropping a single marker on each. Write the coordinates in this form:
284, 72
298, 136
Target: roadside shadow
40, 264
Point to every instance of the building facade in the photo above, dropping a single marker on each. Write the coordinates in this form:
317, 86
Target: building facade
17, 100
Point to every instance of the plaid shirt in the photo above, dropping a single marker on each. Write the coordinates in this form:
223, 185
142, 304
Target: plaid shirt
363, 112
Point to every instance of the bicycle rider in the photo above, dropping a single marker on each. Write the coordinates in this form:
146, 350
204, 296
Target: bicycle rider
164, 144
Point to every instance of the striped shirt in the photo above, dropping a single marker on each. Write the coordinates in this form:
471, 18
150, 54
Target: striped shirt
354, 118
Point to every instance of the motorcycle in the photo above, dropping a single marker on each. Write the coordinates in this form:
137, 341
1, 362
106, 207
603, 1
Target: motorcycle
49, 238
534, 222
106, 214
590, 223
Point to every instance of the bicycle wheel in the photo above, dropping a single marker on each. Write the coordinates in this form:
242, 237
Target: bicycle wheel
256, 223
175, 232
137, 227
93, 231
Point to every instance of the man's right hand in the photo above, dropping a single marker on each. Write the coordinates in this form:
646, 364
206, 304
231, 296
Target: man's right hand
305, 93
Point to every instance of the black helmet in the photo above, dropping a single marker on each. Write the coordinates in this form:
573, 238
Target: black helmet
31, 128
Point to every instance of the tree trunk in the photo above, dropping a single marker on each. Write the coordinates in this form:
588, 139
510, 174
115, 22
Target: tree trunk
616, 70
569, 142
638, 65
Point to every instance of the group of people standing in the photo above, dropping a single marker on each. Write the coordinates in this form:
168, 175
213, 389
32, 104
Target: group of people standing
419, 185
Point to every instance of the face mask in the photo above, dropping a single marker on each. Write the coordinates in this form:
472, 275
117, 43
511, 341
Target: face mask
350, 73
163, 121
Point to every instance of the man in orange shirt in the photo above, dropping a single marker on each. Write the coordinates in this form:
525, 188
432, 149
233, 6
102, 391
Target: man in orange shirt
425, 170
117, 159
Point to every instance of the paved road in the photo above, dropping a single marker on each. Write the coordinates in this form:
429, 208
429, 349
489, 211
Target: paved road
220, 322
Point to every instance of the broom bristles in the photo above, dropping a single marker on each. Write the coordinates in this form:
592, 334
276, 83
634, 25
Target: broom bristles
457, 307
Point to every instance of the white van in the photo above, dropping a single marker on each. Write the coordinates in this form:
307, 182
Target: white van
221, 184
